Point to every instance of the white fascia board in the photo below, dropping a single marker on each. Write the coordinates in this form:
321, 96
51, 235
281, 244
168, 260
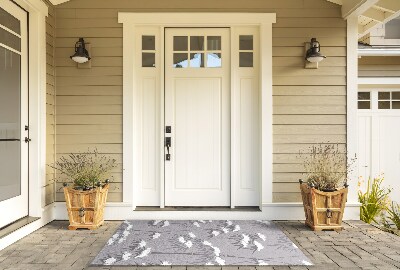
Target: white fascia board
379, 52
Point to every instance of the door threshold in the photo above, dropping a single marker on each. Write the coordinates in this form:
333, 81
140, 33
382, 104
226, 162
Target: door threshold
202, 208
8, 229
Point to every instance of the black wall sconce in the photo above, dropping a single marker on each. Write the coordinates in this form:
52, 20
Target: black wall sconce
313, 54
81, 54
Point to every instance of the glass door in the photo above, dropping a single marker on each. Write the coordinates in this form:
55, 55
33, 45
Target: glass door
13, 113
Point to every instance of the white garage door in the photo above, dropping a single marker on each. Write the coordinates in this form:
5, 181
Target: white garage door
379, 136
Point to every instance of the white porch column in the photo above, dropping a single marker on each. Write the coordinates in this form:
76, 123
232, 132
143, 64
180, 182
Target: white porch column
352, 87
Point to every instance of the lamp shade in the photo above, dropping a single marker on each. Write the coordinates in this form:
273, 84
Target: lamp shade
81, 55
313, 54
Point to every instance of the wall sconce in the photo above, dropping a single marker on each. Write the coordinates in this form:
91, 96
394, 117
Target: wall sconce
313, 55
81, 54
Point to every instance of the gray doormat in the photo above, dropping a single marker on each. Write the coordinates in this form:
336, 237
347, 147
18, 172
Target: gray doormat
200, 242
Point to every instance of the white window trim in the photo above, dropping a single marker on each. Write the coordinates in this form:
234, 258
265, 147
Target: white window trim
131, 156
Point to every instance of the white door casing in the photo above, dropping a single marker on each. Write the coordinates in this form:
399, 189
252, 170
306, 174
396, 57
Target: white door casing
16, 207
248, 85
197, 107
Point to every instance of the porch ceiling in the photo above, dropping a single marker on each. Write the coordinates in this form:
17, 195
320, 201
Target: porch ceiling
371, 13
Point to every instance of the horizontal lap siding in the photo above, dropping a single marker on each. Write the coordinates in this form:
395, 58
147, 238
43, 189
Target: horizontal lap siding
379, 66
309, 104
49, 187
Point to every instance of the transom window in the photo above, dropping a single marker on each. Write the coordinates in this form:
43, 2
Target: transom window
364, 100
389, 100
197, 52
381, 100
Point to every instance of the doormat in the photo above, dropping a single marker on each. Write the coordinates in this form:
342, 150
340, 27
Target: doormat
199, 242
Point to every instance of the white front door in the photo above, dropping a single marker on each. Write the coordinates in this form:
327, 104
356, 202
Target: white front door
13, 113
197, 110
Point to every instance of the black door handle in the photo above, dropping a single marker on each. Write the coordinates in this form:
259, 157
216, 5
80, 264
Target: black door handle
10, 140
168, 145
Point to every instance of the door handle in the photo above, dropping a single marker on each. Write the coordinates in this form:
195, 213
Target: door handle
10, 140
168, 145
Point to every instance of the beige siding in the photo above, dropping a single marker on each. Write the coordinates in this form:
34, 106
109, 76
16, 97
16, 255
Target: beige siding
309, 104
379, 66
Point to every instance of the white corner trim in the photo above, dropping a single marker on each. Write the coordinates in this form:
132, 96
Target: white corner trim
47, 216
378, 80
270, 211
352, 89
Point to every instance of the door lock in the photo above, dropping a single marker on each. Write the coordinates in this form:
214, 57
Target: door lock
168, 145
27, 140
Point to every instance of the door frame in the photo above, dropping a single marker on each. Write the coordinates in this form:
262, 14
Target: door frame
132, 118
17, 207
37, 13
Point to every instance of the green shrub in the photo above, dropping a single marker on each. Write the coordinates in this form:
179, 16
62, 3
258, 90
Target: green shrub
393, 214
374, 200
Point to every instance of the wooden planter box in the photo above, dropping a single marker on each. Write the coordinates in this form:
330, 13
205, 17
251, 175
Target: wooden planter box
86, 208
323, 210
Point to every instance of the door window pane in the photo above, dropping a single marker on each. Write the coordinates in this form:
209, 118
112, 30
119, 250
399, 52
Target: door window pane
245, 59
214, 43
396, 95
396, 105
196, 43
384, 95
180, 43
364, 105
364, 95
180, 60
246, 42
214, 60
10, 40
148, 43
10, 123
197, 60
10, 21
383, 105
148, 59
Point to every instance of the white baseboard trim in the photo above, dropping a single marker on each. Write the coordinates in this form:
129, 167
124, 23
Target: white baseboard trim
270, 211
47, 216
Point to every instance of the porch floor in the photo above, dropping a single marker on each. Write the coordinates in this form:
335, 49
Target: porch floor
358, 246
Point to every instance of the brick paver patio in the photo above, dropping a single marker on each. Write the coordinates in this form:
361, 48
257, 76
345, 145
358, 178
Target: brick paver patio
359, 246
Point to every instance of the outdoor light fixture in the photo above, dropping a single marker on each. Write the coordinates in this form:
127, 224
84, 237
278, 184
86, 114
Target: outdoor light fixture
313, 54
81, 54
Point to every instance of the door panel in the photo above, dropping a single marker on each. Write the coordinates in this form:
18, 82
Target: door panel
197, 107
13, 113
198, 133
389, 153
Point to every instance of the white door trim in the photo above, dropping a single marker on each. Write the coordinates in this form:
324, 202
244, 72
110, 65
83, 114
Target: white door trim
131, 118
37, 12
